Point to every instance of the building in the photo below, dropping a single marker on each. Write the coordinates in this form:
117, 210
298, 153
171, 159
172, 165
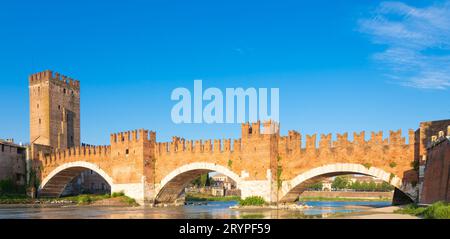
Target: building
218, 191
327, 184
364, 179
54, 110
223, 181
55, 124
13, 162
423, 135
436, 184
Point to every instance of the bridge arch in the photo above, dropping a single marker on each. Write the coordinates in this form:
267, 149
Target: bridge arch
292, 188
172, 185
54, 183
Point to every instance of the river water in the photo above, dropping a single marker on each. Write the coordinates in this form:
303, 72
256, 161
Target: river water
212, 210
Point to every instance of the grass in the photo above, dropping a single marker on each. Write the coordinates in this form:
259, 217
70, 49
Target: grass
252, 201
87, 199
341, 199
439, 210
117, 194
129, 201
205, 198
15, 199
84, 199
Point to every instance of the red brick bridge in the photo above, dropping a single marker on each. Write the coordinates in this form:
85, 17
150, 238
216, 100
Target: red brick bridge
261, 162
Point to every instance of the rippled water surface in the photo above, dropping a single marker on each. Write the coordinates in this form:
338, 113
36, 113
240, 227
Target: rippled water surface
215, 210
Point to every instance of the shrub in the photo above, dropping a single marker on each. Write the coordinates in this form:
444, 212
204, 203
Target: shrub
367, 165
84, 199
439, 210
252, 201
415, 165
129, 201
7, 186
117, 194
442, 213
392, 176
411, 210
392, 164
279, 180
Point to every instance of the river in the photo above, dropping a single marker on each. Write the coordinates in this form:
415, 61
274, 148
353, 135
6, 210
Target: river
212, 210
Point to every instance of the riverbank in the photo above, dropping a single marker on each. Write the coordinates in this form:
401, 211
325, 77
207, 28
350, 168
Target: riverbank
342, 199
118, 200
346, 195
377, 213
208, 198
439, 210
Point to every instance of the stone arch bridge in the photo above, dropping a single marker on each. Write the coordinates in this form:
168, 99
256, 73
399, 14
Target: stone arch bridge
262, 163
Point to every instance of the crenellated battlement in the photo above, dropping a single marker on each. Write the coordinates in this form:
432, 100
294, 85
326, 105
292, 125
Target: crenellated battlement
293, 142
250, 130
180, 145
48, 75
133, 136
76, 153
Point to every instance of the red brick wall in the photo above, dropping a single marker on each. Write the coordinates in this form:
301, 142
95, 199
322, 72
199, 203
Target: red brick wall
335, 194
437, 174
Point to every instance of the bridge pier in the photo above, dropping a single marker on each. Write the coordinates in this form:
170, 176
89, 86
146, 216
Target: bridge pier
132, 190
262, 188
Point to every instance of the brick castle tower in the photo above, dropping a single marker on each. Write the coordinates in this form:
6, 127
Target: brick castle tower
54, 110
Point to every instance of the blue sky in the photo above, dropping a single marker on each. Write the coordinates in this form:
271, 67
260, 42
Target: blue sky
358, 65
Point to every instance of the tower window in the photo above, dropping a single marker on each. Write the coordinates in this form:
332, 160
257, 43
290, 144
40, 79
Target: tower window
39, 121
38, 106
127, 151
64, 91
59, 107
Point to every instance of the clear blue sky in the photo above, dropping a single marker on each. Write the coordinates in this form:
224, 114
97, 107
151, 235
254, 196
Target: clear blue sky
358, 65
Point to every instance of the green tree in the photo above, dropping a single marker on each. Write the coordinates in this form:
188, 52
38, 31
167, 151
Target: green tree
372, 186
202, 181
356, 186
6, 186
340, 183
196, 182
385, 187
316, 186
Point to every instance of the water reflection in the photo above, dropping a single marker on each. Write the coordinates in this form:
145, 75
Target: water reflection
213, 210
